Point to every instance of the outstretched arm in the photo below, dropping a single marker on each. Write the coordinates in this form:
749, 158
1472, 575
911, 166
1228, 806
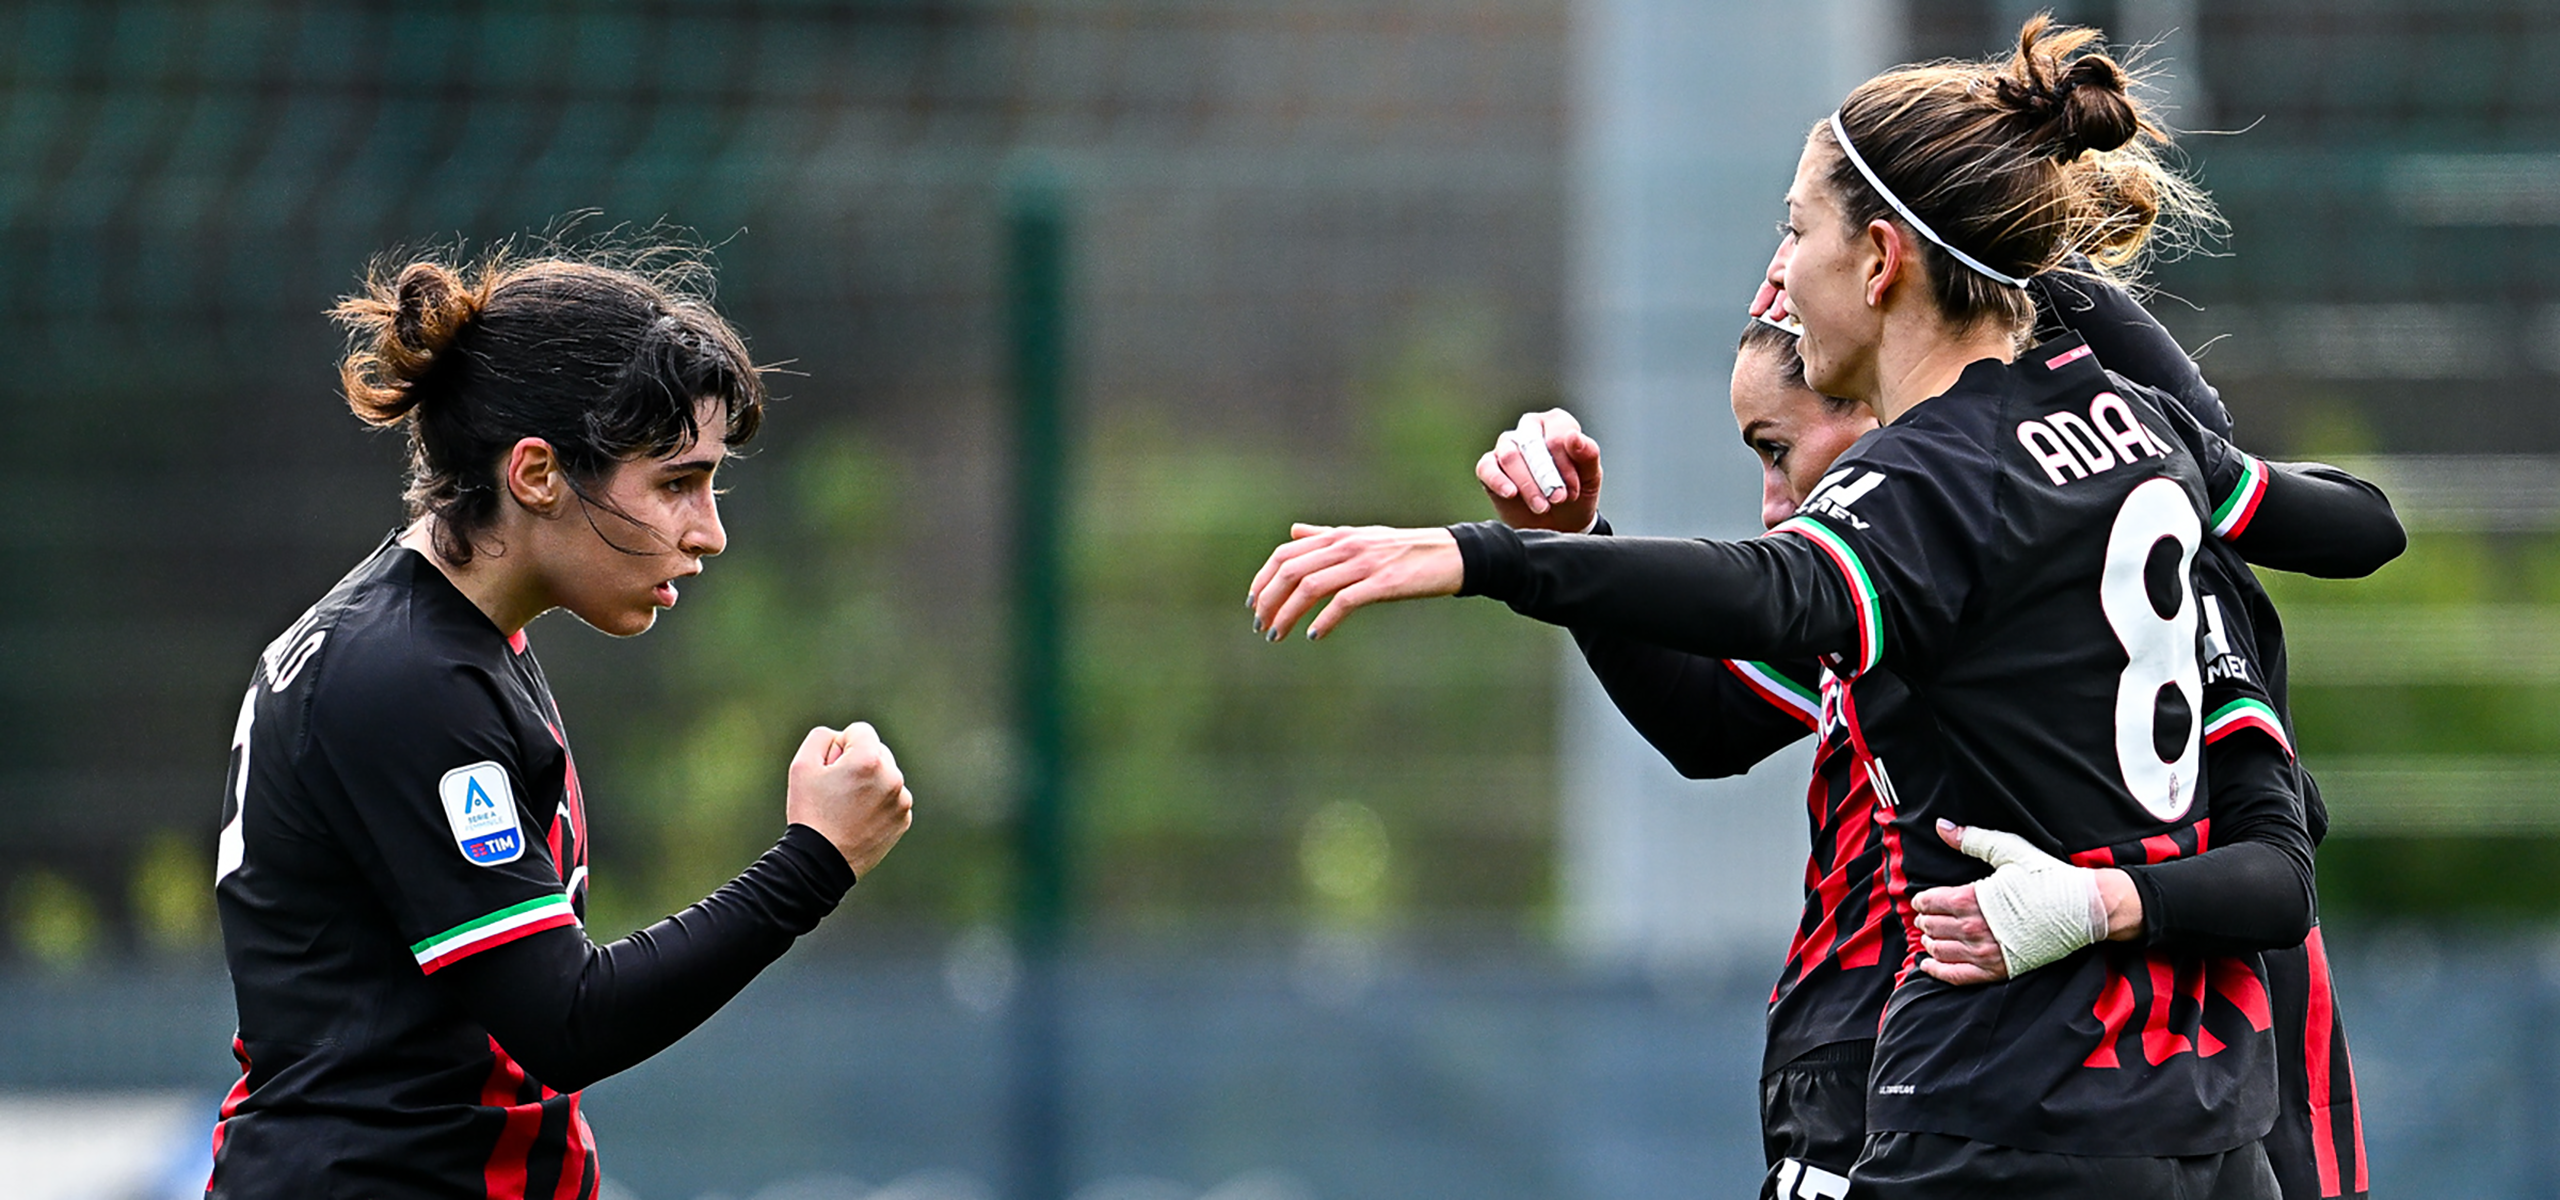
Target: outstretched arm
1769, 597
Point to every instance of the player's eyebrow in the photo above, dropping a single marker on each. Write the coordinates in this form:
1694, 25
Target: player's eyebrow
705, 464
1751, 431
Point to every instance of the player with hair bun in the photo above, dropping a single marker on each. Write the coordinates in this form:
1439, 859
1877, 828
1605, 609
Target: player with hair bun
1713, 717
2014, 551
402, 872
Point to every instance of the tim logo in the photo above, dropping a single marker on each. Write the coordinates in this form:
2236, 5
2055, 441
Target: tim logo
501, 848
480, 807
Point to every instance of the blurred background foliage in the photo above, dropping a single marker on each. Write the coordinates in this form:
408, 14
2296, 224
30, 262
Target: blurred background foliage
1324, 250
1318, 250
1401, 767
1322, 261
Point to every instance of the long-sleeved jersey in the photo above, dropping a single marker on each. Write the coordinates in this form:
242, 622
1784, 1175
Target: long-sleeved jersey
2017, 552
401, 882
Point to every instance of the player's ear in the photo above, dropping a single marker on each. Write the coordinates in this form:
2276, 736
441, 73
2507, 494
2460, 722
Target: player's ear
1887, 254
534, 476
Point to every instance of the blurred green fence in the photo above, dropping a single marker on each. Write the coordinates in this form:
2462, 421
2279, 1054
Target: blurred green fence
1322, 257
1320, 261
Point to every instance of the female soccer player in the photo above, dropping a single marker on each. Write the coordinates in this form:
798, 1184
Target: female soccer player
2015, 545
402, 870
1712, 718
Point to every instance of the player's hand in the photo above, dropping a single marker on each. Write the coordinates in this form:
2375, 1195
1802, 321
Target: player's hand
2034, 909
1955, 942
1354, 566
1543, 474
846, 785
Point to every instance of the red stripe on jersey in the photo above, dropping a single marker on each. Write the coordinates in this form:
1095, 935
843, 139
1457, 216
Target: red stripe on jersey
2204, 834
1792, 706
1897, 884
504, 1176
1865, 946
577, 798
2249, 508
2159, 1042
2250, 721
574, 1152
518, 642
582, 1143
1832, 889
2319, 1033
2208, 1045
2235, 982
2159, 848
231, 1102
2114, 1008
440, 962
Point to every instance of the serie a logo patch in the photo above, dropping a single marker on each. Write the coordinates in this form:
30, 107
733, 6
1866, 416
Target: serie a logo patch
480, 806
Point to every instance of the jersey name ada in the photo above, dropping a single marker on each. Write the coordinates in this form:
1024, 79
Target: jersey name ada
480, 807
2069, 448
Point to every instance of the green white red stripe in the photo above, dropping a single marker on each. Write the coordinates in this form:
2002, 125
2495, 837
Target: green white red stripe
1773, 686
1862, 588
496, 929
2242, 714
2233, 517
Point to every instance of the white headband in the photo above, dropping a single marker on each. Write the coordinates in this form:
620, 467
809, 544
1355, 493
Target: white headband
1877, 182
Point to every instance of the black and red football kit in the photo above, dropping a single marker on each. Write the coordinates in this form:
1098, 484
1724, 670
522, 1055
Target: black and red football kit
2017, 552
2317, 1144
1712, 718
402, 883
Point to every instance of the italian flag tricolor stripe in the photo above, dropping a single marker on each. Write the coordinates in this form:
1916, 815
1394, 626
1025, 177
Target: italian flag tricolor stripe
2246, 714
2233, 517
1862, 588
497, 929
1779, 690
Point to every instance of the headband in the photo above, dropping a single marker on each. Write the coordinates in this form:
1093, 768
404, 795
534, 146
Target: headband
1922, 227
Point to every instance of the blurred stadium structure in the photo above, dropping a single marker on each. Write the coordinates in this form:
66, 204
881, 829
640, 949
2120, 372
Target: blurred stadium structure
1326, 248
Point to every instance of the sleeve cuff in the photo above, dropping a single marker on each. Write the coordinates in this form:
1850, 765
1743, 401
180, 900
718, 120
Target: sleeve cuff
1496, 566
2158, 926
806, 863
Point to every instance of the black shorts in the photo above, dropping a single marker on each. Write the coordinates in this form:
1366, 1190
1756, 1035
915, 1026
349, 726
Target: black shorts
1813, 1121
1932, 1166
2317, 1145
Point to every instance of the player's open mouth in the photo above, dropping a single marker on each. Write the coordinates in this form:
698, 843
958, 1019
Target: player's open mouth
665, 594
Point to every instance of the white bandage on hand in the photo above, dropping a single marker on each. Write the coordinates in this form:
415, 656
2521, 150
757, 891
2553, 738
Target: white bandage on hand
2040, 908
1531, 436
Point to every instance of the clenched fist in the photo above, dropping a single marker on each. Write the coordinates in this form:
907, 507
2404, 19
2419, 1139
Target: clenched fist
846, 785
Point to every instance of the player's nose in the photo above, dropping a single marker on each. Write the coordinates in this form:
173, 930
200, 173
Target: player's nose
705, 536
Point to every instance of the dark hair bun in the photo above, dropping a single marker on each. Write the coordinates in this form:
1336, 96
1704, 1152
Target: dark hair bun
400, 327
2096, 114
433, 307
2072, 102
